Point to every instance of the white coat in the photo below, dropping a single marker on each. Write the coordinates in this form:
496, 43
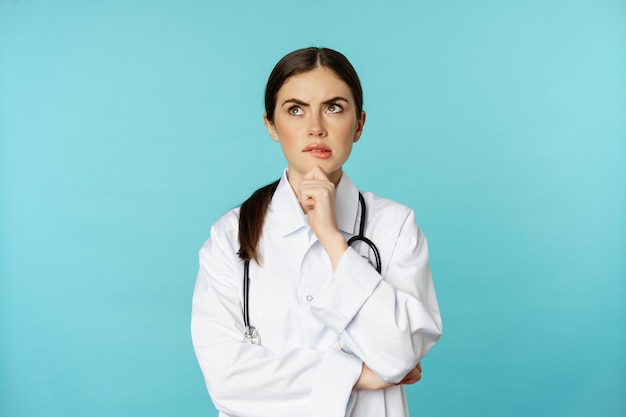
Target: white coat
316, 326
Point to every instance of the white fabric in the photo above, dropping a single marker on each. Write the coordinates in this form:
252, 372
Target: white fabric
316, 326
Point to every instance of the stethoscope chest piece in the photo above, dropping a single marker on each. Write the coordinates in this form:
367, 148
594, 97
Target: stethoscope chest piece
252, 335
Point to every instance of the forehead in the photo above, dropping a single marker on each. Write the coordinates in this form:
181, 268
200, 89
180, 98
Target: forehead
320, 83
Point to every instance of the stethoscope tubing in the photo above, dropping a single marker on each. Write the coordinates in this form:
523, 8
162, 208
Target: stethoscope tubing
361, 236
246, 295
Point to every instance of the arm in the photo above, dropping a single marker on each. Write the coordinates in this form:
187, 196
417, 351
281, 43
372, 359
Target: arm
370, 380
390, 324
248, 380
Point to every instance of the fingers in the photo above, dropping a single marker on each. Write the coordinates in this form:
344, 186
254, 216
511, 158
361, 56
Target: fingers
315, 186
316, 194
313, 191
412, 377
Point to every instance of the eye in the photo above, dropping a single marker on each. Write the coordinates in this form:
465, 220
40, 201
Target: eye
334, 108
295, 111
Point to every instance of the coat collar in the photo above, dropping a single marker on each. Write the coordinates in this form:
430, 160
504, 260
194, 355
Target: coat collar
287, 215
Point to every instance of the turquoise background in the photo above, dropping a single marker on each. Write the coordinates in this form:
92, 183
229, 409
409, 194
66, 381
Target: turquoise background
128, 128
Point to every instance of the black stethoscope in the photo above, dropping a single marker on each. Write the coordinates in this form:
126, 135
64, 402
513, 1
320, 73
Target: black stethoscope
250, 331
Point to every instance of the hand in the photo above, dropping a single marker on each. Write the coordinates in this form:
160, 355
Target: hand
316, 194
413, 376
370, 380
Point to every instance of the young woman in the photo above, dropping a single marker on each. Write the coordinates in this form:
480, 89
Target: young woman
288, 319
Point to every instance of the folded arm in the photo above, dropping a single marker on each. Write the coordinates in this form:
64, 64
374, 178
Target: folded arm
390, 323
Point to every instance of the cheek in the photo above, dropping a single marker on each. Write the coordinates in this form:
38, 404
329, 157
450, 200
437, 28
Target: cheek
285, 133
347, 129
289, 139
286, 130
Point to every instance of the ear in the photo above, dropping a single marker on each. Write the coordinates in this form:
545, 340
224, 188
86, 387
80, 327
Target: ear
271, 128
359, 127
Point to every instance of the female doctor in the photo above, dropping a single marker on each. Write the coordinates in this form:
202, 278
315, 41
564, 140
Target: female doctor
319, 331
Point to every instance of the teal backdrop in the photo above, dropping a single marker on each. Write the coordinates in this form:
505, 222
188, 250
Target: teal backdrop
128, 128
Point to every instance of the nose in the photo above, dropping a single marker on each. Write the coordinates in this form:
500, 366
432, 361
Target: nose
316, 126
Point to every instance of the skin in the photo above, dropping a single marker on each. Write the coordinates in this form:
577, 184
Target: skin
316, 108
316, 124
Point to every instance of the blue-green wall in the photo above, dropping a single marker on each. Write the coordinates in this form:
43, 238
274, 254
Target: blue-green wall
127, 128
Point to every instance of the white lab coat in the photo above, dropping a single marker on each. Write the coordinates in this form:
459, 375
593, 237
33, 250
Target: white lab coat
316, 326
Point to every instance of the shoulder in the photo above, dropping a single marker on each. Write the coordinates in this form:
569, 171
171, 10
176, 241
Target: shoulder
224, 232
383, 208
218, 259
390, 219
227, 223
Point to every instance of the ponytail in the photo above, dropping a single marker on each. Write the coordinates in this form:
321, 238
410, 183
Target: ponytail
251, 219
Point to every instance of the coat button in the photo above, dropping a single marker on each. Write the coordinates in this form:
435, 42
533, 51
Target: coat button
309, 297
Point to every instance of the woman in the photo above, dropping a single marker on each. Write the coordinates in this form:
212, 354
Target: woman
328, 334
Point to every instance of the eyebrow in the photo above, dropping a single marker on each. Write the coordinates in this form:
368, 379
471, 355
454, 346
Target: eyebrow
302, 103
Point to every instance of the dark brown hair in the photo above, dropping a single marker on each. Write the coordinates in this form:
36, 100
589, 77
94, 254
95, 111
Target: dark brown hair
253, 210
305, 60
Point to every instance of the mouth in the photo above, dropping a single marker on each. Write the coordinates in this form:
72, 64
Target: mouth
318, 150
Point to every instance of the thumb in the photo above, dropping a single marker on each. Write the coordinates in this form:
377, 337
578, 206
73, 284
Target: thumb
316, 173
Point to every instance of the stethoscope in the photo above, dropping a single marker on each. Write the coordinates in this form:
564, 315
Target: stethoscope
250, 331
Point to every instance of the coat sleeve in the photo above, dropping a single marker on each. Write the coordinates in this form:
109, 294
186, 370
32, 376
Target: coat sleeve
389, 322
248, 380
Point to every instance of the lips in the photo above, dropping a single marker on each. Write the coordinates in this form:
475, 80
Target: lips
318, 150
